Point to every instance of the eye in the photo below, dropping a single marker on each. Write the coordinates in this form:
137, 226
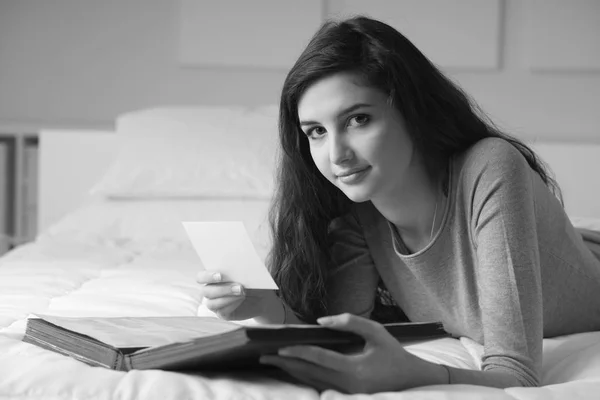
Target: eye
358, 120
315, 132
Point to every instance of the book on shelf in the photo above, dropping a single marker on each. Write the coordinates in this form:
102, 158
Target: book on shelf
30, 192
191, 343
5, 200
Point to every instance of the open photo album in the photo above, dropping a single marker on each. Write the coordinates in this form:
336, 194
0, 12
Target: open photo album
191, 343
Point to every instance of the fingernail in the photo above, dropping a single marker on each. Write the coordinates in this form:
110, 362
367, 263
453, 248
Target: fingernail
216, 277
286, 351
236, 289
325, 321
264, 360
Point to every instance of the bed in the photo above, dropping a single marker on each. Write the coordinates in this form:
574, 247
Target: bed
111, 244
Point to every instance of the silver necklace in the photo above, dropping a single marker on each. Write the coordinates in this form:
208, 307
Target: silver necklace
434, 215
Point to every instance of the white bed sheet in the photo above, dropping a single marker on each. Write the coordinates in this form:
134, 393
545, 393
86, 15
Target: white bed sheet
116, 267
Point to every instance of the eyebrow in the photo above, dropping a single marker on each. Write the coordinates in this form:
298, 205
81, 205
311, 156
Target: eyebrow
343, 112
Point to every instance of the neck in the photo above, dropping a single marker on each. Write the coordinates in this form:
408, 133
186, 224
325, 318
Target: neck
415, 207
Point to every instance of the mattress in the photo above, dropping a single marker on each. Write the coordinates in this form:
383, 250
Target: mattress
124, 259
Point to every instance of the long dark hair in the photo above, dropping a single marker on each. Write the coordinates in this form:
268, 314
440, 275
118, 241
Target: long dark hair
440, 118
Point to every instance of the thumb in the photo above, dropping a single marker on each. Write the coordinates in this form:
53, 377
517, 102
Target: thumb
368, 329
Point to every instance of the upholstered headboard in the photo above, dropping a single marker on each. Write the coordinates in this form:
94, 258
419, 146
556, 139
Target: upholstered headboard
577, 167
72, 161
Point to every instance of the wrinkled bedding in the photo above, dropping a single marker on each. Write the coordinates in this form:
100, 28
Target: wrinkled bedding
84, 277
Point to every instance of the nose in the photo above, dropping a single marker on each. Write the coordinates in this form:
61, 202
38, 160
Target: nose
339, 149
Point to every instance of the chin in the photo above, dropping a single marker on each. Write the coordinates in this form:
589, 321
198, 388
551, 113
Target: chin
357, 196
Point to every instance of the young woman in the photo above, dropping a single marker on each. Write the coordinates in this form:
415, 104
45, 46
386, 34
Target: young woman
396, 199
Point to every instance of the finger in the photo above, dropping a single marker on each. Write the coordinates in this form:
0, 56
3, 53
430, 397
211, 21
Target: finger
227, 312
222, 302
317, 355
319, 378
217, 290
209, 277
368, 329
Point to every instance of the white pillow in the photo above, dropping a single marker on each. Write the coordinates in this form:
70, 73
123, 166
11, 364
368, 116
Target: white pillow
142, 225
191, 152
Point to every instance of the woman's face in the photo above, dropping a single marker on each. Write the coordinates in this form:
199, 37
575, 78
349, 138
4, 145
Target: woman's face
357, 140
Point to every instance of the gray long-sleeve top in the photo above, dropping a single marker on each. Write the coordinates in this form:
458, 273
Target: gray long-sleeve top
506, 268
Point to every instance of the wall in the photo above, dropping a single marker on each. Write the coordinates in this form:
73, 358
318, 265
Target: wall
79, 63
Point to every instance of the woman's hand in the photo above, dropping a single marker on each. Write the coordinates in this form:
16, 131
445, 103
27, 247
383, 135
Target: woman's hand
382, 365
230, 300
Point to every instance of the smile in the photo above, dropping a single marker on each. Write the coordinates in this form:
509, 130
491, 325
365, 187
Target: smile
354, 177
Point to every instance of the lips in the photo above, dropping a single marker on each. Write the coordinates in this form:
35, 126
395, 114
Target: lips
351, 172
353, 176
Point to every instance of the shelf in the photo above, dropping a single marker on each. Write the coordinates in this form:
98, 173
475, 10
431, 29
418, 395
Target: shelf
18, 187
